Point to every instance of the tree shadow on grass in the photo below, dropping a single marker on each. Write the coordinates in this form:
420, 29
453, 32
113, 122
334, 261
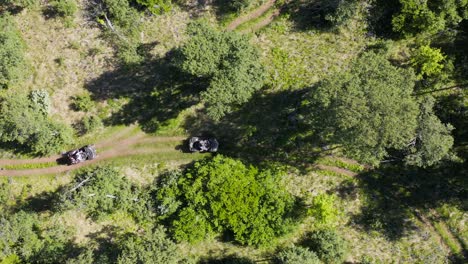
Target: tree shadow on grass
155, 89
264, 129
393, 193
309, 14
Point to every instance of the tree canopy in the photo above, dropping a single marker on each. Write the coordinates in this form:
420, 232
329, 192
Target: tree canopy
229, 62
223, 194
25, 122
370, 109
366, 109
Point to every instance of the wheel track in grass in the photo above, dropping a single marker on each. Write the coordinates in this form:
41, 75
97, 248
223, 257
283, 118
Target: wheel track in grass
105, 143
118, 147
251, 15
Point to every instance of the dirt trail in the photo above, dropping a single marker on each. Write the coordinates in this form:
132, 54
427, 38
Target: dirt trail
263, 23
64, 168
252, 15
119, 148
108, 142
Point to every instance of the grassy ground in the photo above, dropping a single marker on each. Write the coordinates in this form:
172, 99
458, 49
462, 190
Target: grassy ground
64, 60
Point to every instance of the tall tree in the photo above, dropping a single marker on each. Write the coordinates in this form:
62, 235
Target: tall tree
367, 109
229, 62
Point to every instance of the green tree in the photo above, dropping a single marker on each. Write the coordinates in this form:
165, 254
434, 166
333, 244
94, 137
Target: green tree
103, 190
433, 141
228, 61
152, 247
251, 204
156, 6
12, 62
323, 208
328, 245
296, 255
365, 110
427, 61
65, 8
23, 122
419, 16
19, 236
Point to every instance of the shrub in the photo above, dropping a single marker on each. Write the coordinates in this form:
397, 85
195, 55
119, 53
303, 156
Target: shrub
23, 122
156, 6
323, 208
91, 123
427, 61
225, 195
82, 103
19, 236
51, 138
20, 3
102, 191
65, 8
152, 247
191, 226
125, 31
328, 245
40, 100
296, 255
12, 61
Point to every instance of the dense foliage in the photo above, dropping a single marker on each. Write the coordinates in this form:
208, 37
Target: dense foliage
416, 16
103, 191
224, 195
427, 61
328, 245
151, 247
19, 236
296, 255
433, 141
229, 62
26, 123
156, 6
12, 61
367, 110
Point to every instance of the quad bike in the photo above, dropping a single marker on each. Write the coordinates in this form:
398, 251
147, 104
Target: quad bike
203, 144
75, 156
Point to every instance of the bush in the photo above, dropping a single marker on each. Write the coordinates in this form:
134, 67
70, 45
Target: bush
228, 61
82, 103
323, 208
91, 123
102, 191
152, 247
328, 245
41, 101
19, 236
12, 61
296, 255
125, 31
156, 6
65, 8
427, 61
51, 138
19, 3
191, 226
23, 122
224, 195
